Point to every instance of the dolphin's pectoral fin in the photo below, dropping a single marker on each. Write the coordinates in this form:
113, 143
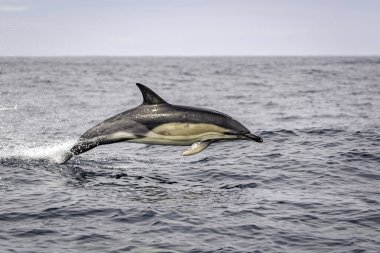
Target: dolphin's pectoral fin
196, 148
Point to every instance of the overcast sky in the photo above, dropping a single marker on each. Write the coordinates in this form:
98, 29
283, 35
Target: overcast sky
189, 27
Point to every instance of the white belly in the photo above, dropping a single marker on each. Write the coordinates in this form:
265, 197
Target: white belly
181, 140
183, 134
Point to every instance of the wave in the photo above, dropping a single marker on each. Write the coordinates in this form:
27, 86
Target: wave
278, 132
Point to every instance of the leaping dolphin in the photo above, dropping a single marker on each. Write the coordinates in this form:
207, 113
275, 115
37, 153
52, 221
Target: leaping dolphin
156, 121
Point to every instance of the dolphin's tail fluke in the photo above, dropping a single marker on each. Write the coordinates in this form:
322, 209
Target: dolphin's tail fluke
66, 156
253, 137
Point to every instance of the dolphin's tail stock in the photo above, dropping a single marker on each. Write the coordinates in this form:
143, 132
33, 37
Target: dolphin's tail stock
79, 148
83, 146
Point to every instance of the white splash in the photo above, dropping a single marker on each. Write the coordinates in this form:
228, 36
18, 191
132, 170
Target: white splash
55, 153
8, 108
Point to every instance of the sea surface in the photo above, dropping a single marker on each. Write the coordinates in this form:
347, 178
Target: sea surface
313, 185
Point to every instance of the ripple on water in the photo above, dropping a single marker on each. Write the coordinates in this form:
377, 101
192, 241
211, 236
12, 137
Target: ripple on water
312, 186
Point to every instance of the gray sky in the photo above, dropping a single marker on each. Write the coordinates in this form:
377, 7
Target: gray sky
189, 27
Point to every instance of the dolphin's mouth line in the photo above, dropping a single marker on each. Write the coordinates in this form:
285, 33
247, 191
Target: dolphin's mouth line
252, 137
246, 135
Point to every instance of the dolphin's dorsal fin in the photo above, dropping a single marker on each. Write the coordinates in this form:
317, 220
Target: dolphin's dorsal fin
149, 96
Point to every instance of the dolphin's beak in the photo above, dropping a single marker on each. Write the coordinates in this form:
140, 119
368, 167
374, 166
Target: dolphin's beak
253, 137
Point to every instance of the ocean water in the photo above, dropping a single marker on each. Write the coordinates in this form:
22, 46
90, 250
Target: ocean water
312, 186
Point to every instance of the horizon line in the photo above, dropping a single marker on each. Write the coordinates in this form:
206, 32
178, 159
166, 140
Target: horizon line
191, 56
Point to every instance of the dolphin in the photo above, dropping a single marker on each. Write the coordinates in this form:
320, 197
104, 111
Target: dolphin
156, 121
